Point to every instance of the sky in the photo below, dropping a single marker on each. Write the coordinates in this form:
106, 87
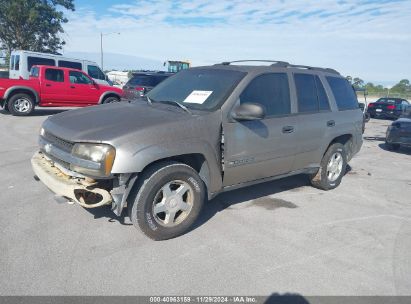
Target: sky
370, 39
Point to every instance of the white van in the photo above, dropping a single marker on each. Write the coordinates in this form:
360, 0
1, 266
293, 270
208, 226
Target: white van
22, 61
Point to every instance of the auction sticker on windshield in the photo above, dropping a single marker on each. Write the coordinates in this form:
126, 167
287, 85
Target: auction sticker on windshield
198, 97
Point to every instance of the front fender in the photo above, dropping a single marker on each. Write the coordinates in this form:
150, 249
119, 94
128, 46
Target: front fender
136, 161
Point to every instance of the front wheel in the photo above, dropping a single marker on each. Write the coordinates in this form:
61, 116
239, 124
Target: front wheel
20, 104
332, 168
111, 99
168, 200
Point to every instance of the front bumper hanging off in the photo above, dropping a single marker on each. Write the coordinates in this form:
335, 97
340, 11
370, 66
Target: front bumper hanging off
80, 190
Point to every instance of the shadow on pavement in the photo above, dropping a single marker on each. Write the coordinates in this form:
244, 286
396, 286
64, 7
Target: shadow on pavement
403, 150
39, 112
287, 298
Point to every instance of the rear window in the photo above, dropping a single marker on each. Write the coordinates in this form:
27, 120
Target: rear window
146, 80
34, 72
389, 100
70, 64
39, 61
343, 93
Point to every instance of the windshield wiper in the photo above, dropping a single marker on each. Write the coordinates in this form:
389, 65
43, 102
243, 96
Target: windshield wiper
174, 103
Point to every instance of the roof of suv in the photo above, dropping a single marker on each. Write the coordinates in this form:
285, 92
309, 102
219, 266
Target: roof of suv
274, 65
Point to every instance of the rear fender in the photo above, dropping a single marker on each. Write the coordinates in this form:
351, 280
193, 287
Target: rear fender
21, 89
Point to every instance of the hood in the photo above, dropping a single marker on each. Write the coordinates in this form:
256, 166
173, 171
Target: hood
112, 122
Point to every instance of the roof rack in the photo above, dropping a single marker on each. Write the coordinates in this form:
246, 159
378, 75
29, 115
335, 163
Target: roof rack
284, 64
275, 62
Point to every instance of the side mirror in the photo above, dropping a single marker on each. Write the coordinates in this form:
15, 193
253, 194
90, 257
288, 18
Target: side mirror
248, 111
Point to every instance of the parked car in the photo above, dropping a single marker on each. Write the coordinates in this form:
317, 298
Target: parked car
388, 107
22, 61
142, 82
399, 133
50, 86
201, 132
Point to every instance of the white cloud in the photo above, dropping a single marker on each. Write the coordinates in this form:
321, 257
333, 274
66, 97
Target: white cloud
359, 37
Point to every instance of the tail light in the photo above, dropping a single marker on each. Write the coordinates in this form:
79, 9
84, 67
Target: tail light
391, 107
371, 105
140, 90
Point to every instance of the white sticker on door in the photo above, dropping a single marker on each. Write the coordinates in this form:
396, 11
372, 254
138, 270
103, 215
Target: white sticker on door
198, 97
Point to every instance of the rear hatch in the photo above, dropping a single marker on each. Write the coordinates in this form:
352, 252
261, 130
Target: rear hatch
384, 106
141, 84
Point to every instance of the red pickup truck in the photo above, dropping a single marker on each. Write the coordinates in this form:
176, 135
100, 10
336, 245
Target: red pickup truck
51, 86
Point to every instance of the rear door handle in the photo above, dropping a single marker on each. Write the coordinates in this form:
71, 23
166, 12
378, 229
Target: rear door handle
73, 87
330, 123
288, 129
48, 85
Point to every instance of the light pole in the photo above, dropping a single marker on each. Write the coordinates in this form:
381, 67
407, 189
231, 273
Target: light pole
101, 46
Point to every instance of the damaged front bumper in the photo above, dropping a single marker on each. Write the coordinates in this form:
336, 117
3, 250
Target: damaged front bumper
82, 190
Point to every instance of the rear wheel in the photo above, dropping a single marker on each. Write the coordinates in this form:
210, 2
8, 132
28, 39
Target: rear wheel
332, 168
20, 104
168, 200
111, 99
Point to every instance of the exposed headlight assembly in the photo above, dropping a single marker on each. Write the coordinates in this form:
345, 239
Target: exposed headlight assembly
99, 159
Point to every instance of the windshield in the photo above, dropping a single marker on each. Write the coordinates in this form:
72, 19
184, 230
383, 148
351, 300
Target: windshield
200, 89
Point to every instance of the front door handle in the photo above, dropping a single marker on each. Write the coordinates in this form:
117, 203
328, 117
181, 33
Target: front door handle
288, 129
48, 85
330, 123
73, 87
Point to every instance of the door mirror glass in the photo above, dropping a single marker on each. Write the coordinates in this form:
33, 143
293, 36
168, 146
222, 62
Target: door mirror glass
248, 111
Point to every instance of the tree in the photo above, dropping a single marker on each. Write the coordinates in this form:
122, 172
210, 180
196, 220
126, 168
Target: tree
33, 25
402, 87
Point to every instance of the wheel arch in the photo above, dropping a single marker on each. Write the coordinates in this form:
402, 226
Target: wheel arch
347, 140
107, 95
10, 92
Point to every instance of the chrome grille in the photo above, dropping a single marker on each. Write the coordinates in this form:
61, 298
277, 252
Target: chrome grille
58, 142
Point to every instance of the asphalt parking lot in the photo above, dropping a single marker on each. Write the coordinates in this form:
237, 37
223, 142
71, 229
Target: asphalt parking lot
276, 237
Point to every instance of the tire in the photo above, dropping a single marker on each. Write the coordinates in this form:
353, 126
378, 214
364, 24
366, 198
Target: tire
159, 186
111, 99
392, 147
20, 104
325, 179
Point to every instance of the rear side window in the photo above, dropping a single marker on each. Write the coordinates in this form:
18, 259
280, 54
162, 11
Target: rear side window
70, 64
310, 93
95, 72
343, 93
54, 75
39, 61
271, 91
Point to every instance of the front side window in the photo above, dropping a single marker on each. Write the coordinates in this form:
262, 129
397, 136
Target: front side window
54, 75
343, 93
201, 89
39, 61
95, 72
271, 91
79, 78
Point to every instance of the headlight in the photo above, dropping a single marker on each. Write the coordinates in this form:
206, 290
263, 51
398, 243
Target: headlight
96, 154
42, 132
